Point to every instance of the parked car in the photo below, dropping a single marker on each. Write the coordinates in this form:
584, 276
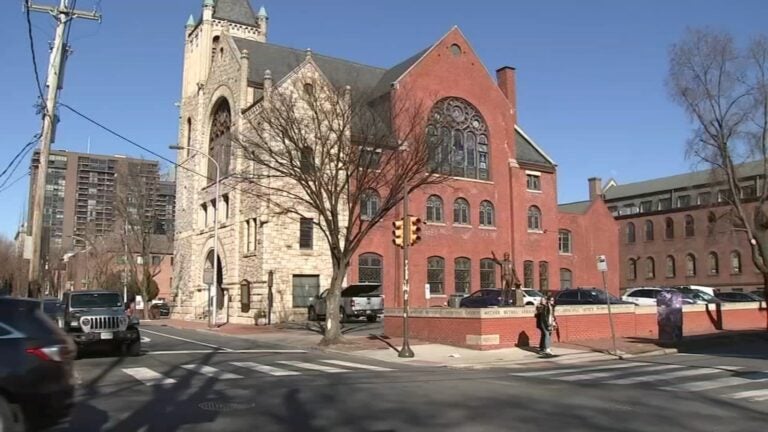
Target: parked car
159, 309
586, 296
95, 318
52, 308
737, 297
759, 294
36, 370
697, 294
647, 296
491, 297
357, 301
532, 297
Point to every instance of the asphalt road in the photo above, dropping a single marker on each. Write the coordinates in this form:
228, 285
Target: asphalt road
194, 381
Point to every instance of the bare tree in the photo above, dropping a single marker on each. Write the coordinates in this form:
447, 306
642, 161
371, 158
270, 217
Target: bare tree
141, 233
9, 266
724, 89
330, 153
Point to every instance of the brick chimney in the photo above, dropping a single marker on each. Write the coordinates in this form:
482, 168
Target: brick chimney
595, 188
505, 78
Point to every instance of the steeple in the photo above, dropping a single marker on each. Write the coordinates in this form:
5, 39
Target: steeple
191, 21
262, 12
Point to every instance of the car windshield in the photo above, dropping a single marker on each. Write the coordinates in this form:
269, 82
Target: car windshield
532, 293
50, 306
96, 300
601, 296
703, 296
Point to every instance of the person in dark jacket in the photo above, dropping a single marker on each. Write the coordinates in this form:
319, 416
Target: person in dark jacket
546, 323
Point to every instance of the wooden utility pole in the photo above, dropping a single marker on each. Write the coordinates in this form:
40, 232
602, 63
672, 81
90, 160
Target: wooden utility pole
63, 16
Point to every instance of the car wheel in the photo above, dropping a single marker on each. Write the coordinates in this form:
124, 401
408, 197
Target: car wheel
133, 349
11, 417
342, 315
312, 314
372, 318
529, 304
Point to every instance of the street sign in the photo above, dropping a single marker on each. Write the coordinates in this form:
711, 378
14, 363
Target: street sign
602, 264
208, 276
427, 293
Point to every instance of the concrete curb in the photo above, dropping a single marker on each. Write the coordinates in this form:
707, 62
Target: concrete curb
661, 351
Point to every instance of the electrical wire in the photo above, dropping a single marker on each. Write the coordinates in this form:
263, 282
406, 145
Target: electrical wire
21, 152
16, 180
16, 166
34, 58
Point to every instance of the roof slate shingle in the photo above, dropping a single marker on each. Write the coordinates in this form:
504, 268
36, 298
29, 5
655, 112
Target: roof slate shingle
238, 11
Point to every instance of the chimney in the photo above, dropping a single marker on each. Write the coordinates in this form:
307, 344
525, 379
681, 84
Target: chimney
505, 78
595, 188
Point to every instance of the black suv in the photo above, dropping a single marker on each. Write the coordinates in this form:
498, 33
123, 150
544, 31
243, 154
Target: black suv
98, 318
585, 296
36, 367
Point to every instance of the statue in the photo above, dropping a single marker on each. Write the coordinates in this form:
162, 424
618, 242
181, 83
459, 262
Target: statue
508, 279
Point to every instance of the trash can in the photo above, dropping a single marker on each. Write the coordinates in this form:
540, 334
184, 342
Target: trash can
455, 299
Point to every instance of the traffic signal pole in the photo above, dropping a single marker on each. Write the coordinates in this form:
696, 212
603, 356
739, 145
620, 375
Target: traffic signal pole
406, 351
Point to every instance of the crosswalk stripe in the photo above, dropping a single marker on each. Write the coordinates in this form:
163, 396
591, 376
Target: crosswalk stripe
720, 382
357, 365
211, 371
559, 371
266, 369
313, 366
668, 375
148, 376
612, 373
756, 395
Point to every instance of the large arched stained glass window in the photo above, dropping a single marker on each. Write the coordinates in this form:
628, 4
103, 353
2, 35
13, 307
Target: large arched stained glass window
458, 139
220, 143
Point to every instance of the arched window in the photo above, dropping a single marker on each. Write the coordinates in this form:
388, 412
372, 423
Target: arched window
735, 262
461, 275
566, 279
369, 205
370, 268
630, 232
486, 214
458, 139
220, 143
436, 274
461, 212
534, 218
527, 274
670, 266
543, 275
650, 268
669, 228
714, 263
487, 273
711, 223
690, 265
188, 137
632, 269
434, 209
689, 226
564, 241
648, 230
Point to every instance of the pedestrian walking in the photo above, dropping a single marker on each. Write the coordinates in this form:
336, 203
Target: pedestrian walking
546, 323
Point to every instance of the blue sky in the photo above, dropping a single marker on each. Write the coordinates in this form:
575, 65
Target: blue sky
590, 73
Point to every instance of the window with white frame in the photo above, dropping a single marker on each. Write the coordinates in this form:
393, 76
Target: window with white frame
564, 241
533, 181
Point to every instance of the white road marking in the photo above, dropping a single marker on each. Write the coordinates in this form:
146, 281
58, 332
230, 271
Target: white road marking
211, 371
755, 395
312, 366
612, 373
265, 369
357, 365
187, 340
559, 371
145, 339
659, 377
148, 376
249, 351
718, 383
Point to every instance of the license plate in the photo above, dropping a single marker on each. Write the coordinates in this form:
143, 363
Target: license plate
107, 335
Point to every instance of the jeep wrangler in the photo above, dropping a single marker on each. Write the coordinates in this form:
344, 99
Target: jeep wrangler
99, 318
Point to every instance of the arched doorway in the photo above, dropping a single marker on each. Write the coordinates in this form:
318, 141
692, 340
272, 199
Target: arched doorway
208, 270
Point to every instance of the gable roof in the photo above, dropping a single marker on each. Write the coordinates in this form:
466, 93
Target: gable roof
681, 181
237, 11
395, 72
282, 60
578, 207
528, 151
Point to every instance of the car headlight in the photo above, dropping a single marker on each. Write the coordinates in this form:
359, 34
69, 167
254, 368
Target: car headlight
74, 323
86, 322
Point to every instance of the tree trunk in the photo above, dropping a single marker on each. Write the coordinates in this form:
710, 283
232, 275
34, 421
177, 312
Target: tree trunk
332, 332
765, 296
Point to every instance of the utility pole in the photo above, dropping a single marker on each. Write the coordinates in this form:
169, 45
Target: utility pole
63, 16
406, 351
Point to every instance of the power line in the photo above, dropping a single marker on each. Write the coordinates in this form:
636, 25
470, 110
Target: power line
34, 58
19, 154
16, 180
16, 166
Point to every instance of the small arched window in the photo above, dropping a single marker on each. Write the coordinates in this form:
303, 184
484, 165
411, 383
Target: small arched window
650, 268
188, 137
534, 218
436, 274
461, 212
566, 278
487, 273
369, 205
564, 241
461, 275
714, 263
632, 269
370, 268
735, 262
690, 265
670, 266
630, 232
486, 214
648, 230
690, 230
434, 209
669, 228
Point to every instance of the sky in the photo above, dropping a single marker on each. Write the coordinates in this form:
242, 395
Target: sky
590, 73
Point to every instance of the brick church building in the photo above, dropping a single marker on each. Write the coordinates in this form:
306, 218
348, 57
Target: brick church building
501, 197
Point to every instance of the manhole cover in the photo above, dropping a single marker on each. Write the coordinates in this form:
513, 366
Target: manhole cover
225, 406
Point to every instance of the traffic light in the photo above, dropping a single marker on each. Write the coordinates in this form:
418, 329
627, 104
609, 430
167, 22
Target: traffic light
397, 233
414, 229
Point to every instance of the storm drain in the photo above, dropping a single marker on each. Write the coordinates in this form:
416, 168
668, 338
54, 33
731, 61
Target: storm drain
225, 406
